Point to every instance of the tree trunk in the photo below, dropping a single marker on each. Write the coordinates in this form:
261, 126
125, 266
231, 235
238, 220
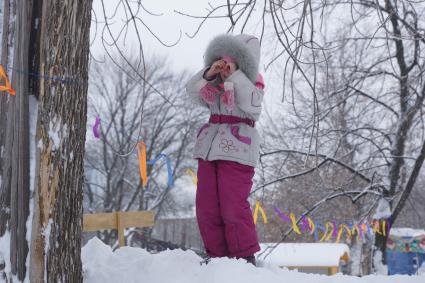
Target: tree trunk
61, 128
5, 119
15, 187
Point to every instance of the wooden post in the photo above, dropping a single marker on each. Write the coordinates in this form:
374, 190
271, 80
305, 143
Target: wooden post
118, 220
333, 270
120, 228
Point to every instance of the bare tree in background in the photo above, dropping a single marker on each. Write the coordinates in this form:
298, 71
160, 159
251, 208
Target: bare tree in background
377, 93
131, 112
369, 104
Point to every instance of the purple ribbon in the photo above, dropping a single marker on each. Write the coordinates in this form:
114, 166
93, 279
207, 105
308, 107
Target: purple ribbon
388, 227
96, 128
282, 215
361, 231
335, 233
306, 225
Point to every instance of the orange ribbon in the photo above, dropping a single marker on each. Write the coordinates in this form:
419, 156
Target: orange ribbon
142, 162
7, 87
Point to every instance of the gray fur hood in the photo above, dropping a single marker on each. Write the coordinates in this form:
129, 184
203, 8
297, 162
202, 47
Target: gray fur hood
244, 48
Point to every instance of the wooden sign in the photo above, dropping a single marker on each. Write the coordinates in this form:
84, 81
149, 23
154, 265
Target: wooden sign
118, 220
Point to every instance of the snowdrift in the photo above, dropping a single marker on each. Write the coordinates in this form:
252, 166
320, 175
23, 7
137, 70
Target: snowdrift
102, 265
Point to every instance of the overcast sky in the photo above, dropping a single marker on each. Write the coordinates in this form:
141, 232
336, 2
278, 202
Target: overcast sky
187, 54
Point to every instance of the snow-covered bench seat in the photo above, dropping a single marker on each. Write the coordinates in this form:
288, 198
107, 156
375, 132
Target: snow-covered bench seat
322, 258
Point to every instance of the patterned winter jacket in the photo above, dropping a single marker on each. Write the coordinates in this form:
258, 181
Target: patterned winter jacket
240, 96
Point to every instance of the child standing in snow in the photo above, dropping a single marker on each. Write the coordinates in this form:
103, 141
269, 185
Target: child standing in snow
227, 147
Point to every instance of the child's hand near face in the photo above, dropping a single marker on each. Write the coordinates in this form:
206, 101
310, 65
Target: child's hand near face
225, 69
217, 67
229, 69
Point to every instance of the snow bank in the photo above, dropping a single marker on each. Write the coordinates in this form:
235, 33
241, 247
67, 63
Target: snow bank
305, 254
5, 250
102, 265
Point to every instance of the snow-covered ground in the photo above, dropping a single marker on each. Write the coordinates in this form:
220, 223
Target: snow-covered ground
129, 265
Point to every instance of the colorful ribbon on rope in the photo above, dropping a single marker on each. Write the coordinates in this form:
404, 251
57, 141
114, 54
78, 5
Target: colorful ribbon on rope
332, 230
141, 151
7, 86
341, 230
263, 214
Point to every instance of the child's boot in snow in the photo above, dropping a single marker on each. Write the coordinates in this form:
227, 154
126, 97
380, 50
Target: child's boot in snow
250, 259
205, 260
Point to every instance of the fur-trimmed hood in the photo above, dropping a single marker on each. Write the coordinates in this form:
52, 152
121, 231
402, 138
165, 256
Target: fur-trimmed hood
245, 49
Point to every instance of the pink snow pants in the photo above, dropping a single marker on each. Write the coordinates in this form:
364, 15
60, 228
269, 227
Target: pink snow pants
222, 209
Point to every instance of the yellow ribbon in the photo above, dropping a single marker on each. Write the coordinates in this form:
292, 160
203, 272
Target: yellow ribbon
193, 175
341, 230
294, 223
376, 227
325, 235
263, 214
354, 229
384, 228
7, 87
142, 162
311, 224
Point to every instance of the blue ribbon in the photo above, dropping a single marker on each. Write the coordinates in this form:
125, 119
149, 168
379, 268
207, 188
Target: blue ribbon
55, 78
316, 233
369, 231
170, 171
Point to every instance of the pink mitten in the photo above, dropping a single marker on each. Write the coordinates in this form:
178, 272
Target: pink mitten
209, 93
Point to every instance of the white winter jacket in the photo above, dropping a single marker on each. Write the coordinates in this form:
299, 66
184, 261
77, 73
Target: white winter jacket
236, 142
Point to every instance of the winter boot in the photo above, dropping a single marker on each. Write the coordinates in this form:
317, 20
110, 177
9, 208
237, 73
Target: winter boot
205, 261
250, 259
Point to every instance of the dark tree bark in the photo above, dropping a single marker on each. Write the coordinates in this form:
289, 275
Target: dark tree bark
61, 128
7, 38
16, 164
